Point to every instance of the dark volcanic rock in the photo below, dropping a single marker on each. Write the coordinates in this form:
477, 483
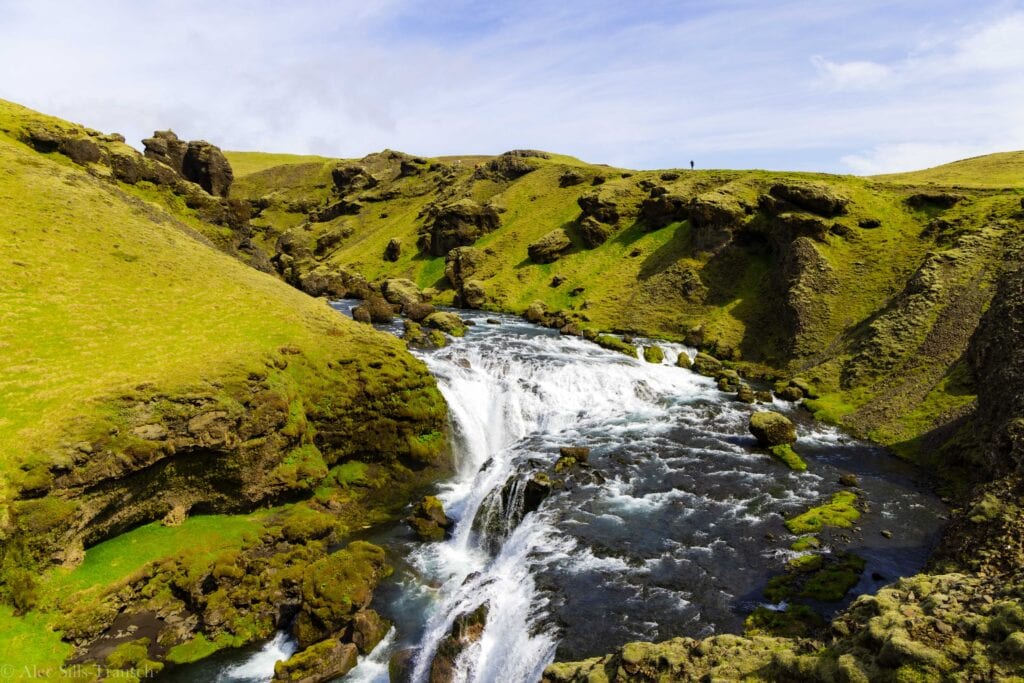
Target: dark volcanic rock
166, 148
811, 197
660, 209
394, 249
942, 200
351, 178
429, 521
570, 178
601, 209
466, 630
197, 161
593, 232
456, 224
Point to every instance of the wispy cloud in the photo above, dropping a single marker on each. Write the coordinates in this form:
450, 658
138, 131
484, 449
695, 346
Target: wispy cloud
841, 86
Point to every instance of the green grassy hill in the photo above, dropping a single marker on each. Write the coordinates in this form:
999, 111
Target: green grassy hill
247, 163
843, 286
1005, 169
149, 375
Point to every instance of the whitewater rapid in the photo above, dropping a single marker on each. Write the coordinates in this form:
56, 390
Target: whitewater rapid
674, 530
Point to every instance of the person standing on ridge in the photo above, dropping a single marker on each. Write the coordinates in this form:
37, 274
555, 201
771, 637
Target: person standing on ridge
691, 164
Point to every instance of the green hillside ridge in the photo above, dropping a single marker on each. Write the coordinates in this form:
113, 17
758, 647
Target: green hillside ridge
1000, 170
151, 375
247, 163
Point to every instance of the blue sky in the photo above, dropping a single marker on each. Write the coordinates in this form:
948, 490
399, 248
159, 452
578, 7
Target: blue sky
854, 87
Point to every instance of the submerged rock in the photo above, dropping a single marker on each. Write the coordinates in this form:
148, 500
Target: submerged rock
772, 429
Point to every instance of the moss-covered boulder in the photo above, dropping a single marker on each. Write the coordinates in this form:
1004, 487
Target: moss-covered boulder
706, 364
393, 251
683, 360
466, 630
335, 588
325, 661
374, 309
447, 322
417, 336
456, 224
401, 292
429, 521
613, 343
550, 247
368, 629
771, 428
653, 354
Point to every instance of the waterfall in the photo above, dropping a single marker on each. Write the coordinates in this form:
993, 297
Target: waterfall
672, 528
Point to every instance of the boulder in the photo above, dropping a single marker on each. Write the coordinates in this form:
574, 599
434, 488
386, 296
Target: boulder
415, 335
376, 308
401, 292
447, 322
550, 247
473, 295
578, 453
593, 232
745, 394
417, 311
429, 521
508, 166
653, 354
706, 364
393, 251
456, 224
811, 197
869, 223
368, 629
848, 480
325, 661
683, 360
772, 429
601, 209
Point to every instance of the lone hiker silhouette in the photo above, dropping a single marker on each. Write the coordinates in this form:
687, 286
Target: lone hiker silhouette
691, 164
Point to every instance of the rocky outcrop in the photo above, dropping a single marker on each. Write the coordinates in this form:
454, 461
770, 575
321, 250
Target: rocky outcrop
197, 161
447, 322
325, 661
715, 216
460, 265
456, 224
812, 197
550, 247
509, 166
997, 363
662, 208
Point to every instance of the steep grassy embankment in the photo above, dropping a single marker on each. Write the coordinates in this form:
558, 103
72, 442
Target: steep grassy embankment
148, 376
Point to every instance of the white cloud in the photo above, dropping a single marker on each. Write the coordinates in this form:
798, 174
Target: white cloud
855, 75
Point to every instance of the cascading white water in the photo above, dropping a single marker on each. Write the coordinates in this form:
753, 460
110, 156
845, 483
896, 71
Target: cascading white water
673, 531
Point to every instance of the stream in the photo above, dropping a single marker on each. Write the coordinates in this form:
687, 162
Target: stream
673, 530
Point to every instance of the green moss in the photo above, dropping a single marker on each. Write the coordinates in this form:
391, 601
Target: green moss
653, 354
832, 581
788, 456
806, 563
839, 512
615, 344
805, 543
796, 621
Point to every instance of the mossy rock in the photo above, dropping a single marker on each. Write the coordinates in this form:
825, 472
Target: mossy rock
446, 322
786, 454
839, 512
654, 354
323, 661
706, 364
772, 429
683, 360
611, 343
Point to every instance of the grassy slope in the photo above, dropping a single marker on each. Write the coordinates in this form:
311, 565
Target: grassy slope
103, 295
1005, 169
628, 285
246, 163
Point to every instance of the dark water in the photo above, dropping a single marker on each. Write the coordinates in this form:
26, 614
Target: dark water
675, 535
